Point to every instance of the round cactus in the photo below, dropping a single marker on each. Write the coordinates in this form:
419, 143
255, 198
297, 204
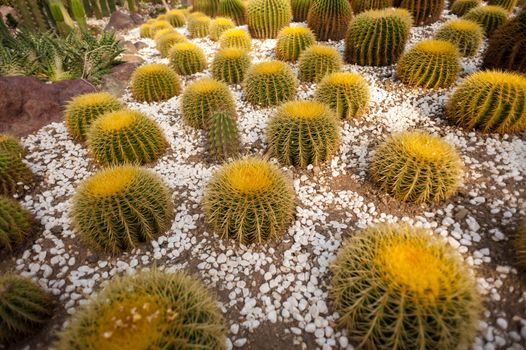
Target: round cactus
505, 4
519, 244
218, 26
84, 109
161, 33
424, 11
366, 5
157, 26
429, 64
490, 101
199, 26
25, 307
125, 136
377, 37
461, 7
465, 35
12, 172
235, 38
145, 30
208, 7
222, 135
404, 277
166, 41
187, 58
230, 65
154, 82
176, 18
15, 222
346, 93
292, 41
317, 61
204, 97
329, 19
11, 145
300, 9
265, 18
417, 167
150, 310
120, 207
249, 200
234, 9
269, 83
303, 132
489, 17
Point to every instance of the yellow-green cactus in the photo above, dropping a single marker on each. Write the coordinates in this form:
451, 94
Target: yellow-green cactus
467, 36
292, 41
230, 65
265, 18
218, 26
238, 38
269, 83
187, 58
154, 82
317, 61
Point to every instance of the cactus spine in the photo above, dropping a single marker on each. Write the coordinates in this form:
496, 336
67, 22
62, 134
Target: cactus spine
234, 9
266, 17
292, 41
230, 65
154, 82
359, 6
329, 19
269, 83
187, 58
199, 26
166, 41
424, 11
317, 61
465, 35
300, 9
12, 172
509, 5
218, 26
489, 17
238, 38
9, 144
15, 222
461, 7
223, 136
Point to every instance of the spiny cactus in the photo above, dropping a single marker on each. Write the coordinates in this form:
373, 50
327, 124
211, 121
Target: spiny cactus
187, 58
230, 65
208, 7
218, 26
377, 37
166, 41
329, 19
157, 26
265, 18
269, 83
204, 97
9, 144
234, 9
489, 17
249, 200
154, 82
424, 11
359, 6
145, 29
199, 26
292, 41
519, 244
84, 109
162, 32
25, 307
12, 172
465, 35
461, 7
490, 101
120, 207
346, 93
223, 135
429, 64
15, 222
417, 167
505, 4
317, 61
235, 38
300, 9
150, 310
176, 18
31, 15
407, 279
303, 132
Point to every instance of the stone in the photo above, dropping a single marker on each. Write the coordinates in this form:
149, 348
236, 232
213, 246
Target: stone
118, 79
120, 20
139, 45
128, 58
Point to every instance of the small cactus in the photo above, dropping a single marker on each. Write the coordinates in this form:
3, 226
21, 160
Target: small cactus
13, 172
508, 5
9, 144
154, 82
199, 26
230, 65
145, 29
461, 7
235, 9
300, 9
176, 18
329, 19
208, 7
519, 244
218, 26
269, 83
15, 223
489, 17
161, 33
292, 41
157, 26
317, 61
238, 38
166, 41
467, 36
223, 136
265, 18
424, 11
359, 6
187, 58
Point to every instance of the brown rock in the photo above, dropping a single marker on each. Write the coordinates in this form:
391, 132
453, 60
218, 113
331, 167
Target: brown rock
140, 45
118, 79
120, 20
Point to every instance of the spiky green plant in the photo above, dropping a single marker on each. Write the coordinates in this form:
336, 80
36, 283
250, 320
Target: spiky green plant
218, 26
77, 11
398, 287
467, 36
359, 6
150, 310
13, 172
157, 26
187, 58
490, 101
199, 26
120, 207
25, 307
154, 82
519, 244
269, 83
292, 41
208, 7
424, 11
145, 29
30, 15
222, 135
300, 9
265, 18
15, 222
235, 38
317, 61
161, 33
204, 97
10, 144
329, 19
166, 41
489, 17
176, 18
377, 37
346, 93
230, 65
235, 9
249, 200
461, 7
509, 5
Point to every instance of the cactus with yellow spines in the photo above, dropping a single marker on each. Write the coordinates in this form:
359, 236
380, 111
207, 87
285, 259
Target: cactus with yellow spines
204, 97
120, 207
508, 5
176, 18
292, 41
13, 172
218, 26
145, 29
230, 65
10, 144
424, 12
377, 37
187, 58
154, 82
250, 201
208, 7
359, 6
490, 101
162, 32
461, 7
266, 18
222, 136
269, 83
399, 287
329, 19
519, 244
199, 26
157, 26
317, 61
235, 9
466, 35
236, 37
15, 223
165, 42
300, 9
345, 93
489, 17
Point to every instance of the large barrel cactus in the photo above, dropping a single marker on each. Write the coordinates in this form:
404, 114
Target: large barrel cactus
329, 19
266, 17
424, 11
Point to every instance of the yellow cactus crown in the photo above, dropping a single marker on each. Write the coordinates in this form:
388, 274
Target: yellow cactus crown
117, 120
463, 25
187, 46
343, 78
495, 77
304, 109
92, 99
153, 68
206, 85
295, 30
423, 146
323, 50
249, 175
436, 47
232, 52
110, 181
270, 67
235, 32
223, 21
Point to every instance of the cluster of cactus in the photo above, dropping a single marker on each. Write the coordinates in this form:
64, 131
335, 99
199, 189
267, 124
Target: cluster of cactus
230, 65
151, 309
519, 244
160, 33
15, 223
120, 207
145, 29
424, 11
377, 37
509, 5
489, 17
417, 167
208, 7
292, 41
238, 38
222, 135
199, 26
154, 82
300, 9
11, 145
266, 18
218, 26
467, 36
490, 101
329, 19
157, 26
176, 18
359, 6
165, 42
269, 83
13, 171
303, 132
249, 200
204, 97
429, 64
317, 61
345, 93
234, 9
187, 58
398, 287
461, 7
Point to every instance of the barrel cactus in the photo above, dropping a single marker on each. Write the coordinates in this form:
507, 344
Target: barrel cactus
292, 41
166, 41
424, 11
218, 26
187, 58
208, 7
238, 38
329, 19
15, 223
176, 18
300, 9
162, 32
199, 26
144, 29
235, 9
509, 5
157, 26
359, 6
461, 7
13, 173
222, 135
519, 244
11, 145
489, 17
317, 61
269, 83
230, 65
467, 36
265, 18
154, 82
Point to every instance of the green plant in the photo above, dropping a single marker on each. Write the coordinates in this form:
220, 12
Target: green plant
204, 97
63, 22
292, 41
145, 29
154, 82
198, 27
398, 287
509, 5
25, 307
489, 17
329, 19
166, 41
346, 93
31, 15
10, 144
208, 7
218, 26
424, 11
249, 200
366, 5
187, 58
461, 7
12, 172
77, 10
377, 37
176, 18
519, 244
157, 26
230, 65
160, 33
234, 9
120, 207
490, 101
223, 135
265, 18
235, 38
317, 61
300, 9
269, 83
15, 223
467, 36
